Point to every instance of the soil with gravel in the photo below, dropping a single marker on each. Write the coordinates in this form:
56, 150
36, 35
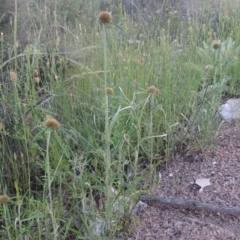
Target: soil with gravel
222, 166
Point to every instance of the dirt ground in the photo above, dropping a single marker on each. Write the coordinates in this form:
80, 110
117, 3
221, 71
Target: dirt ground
222, 166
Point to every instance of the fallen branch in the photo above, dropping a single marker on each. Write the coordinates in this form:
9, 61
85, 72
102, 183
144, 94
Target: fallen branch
190, 205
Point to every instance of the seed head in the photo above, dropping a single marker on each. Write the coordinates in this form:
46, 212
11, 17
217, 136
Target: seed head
51, 122
209, 68
56, 78
4, 199
153, 90
109, 91
37, 80
19, 202
13, 76
104, 17
35, 73
216, 44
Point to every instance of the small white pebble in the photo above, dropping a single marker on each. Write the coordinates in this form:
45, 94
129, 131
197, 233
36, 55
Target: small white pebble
170, 175
214, 163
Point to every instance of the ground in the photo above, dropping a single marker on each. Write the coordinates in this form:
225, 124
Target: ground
221, 165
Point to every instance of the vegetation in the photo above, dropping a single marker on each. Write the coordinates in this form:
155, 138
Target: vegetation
91, 105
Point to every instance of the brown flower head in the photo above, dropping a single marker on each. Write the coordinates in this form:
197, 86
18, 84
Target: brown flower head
153, 90
51, 122
216, 44
104, 17
13, 76
109, 91
4, 199
37, 80
35, 73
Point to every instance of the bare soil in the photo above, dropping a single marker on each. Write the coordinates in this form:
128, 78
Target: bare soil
222, 166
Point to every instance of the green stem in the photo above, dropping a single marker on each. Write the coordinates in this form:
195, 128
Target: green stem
49, 186
151, 134
15, 34
107, 133
6, 216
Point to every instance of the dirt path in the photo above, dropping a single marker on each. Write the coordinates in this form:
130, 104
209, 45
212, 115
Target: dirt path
222, 167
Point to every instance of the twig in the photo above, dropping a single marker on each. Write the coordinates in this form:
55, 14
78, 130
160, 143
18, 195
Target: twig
190, 205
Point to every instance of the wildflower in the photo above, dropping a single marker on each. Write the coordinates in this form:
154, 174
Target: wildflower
153, 90
37, 80
109, 91
104, 17
4, 199
35, 73
216, 44
209, 68
13, 76
51, 122
19, 202
56, 78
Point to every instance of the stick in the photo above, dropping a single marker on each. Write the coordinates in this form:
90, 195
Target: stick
191, 204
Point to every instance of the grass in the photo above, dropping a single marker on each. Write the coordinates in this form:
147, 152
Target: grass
127, 95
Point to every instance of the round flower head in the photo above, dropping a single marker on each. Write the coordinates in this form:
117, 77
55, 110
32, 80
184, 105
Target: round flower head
104, 17
216, 44
4, 199
37, 80
109, 91
153, 90
209, 68
51, 122
13, 76
35, 73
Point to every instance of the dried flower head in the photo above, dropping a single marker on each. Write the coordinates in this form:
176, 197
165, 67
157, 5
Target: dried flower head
109, 91
35, 73
19, 202
209, 68
51, 122
4, 199
56, 78
37, 80
13, 76
104, 17
216, 44
153, 90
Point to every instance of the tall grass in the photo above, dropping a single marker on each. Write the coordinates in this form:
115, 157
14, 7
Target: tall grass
127, 94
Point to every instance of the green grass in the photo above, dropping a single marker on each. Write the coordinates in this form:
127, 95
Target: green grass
109, 147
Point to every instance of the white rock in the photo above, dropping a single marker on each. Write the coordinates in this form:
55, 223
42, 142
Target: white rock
202, 182
230, 111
